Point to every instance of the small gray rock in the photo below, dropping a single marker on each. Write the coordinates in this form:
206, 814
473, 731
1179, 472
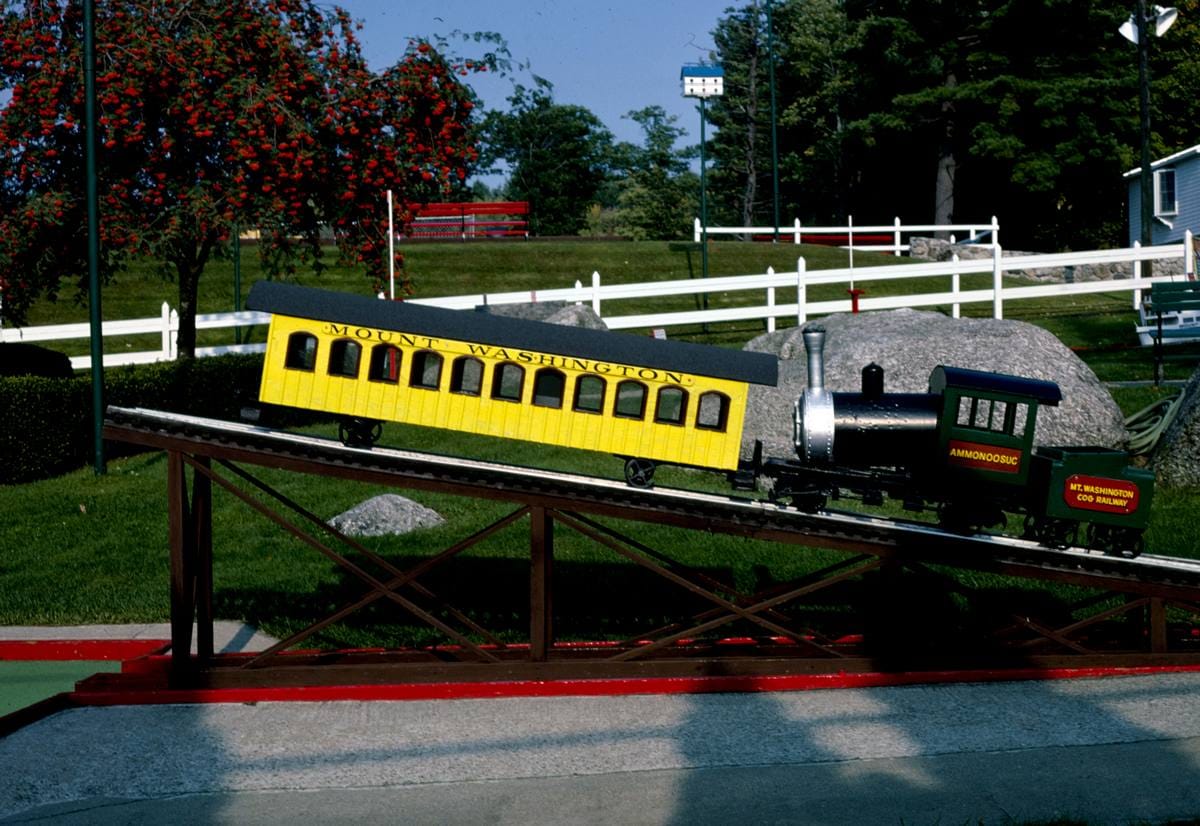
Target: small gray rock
386, 515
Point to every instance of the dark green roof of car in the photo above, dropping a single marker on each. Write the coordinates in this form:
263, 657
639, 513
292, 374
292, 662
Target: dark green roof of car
1043, 392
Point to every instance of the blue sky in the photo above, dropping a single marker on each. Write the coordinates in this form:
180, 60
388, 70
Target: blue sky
609, 56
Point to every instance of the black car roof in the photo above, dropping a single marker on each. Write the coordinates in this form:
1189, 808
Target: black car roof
481, 327
1043, 392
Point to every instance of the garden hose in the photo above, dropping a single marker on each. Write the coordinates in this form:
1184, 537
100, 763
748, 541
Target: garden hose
1147, 426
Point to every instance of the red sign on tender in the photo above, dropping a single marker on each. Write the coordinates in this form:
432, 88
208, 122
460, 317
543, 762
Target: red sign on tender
1096, 493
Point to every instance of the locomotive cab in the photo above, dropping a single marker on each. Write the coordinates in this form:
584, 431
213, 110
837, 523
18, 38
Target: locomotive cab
985, 444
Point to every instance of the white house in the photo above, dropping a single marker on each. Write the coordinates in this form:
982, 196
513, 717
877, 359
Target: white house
1176, 197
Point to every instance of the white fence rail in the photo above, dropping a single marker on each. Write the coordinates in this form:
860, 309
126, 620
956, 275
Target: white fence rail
769, 284
165, 325
975, 233
600, 296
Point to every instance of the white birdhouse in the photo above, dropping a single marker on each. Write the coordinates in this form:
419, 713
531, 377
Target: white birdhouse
702, 81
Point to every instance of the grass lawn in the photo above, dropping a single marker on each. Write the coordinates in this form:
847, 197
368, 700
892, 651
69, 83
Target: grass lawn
86, 549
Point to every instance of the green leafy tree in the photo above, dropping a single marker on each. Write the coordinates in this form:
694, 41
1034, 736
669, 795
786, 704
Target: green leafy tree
741, 147
953, 111
252, 112
814, 81
658, 194
557, 157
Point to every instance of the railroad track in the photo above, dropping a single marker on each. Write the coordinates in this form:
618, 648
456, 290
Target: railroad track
1147, 574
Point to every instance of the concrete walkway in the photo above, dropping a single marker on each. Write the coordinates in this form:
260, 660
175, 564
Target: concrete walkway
1113, 750
228, 636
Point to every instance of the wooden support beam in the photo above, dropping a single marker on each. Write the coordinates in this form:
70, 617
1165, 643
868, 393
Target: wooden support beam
183, 545
541, 578
1158, 624
202, 530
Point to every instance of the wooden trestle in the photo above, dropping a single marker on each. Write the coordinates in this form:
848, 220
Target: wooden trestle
214, 455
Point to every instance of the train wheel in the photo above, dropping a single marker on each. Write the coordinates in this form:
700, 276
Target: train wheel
1056, 533
809, 501
355, 432
639, 473
952, 517
1115, 541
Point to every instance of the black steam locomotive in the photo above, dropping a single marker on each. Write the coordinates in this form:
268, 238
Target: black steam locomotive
965, 448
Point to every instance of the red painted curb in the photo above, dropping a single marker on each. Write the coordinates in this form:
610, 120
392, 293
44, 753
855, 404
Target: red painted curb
585, 688
63, 650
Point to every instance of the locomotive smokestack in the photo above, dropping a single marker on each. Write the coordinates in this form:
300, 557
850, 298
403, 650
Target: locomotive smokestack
814, 346
813, 435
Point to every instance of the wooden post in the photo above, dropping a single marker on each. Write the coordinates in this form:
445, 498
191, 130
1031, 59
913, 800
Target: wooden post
182, 539
202, 526
1158, 625
541, 547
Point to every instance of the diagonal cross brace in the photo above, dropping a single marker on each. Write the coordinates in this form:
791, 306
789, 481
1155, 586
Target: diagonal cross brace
733, 610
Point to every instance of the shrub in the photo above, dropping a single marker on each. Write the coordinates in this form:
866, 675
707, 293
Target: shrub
46, 424
20, 358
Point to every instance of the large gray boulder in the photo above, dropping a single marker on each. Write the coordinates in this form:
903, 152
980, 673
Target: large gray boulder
552, 312
1177, 458
934, 249
908, 344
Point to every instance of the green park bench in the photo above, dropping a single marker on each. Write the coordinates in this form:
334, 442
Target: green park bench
1175, 308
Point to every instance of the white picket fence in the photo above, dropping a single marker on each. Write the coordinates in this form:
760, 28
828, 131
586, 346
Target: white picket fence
975, 233
600, 297
165, 326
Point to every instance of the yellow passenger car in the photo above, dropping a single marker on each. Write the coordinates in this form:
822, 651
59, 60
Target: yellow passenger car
649, 401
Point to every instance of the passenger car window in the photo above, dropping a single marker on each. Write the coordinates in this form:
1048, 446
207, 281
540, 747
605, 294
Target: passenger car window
712, 413
548, 387
426, 370
589, 394
301, 352
672, 405
385, 363
466, 376
507, 382
631, 400
343, 358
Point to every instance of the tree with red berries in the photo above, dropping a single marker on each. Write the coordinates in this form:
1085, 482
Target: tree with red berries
210, 114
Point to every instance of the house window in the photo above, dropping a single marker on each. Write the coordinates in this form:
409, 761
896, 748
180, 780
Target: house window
1165, 202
